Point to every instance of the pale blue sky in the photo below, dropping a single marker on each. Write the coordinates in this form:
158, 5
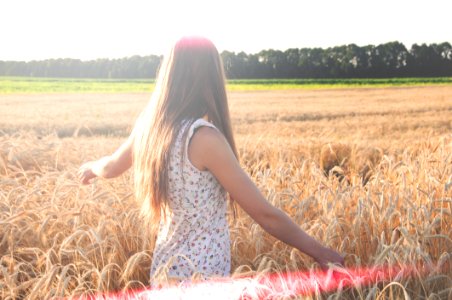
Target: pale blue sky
89, 29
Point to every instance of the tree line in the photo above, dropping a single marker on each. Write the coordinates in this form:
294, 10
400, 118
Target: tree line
387, 60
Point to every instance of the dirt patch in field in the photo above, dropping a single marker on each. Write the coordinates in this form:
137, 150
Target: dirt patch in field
340, 113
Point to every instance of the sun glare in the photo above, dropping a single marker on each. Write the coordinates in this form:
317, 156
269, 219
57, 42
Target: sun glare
110, 29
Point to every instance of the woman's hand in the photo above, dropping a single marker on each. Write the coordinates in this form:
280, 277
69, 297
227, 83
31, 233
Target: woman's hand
108, 166
326, 256
85, 172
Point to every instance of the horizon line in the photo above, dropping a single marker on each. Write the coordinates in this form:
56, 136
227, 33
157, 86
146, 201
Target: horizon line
224, 50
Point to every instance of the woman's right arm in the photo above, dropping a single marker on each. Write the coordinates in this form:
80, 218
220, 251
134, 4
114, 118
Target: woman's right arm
108, 166
209, 150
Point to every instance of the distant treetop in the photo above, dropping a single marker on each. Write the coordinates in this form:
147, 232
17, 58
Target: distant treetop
387, 60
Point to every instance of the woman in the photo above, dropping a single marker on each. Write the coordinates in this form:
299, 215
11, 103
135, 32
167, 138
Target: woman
185, 163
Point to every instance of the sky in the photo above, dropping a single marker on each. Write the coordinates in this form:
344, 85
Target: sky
91, 29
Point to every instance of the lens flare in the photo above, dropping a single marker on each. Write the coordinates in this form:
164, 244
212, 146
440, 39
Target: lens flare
268, 286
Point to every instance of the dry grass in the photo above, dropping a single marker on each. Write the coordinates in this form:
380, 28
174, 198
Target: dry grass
58, 238
342, 160
335, 159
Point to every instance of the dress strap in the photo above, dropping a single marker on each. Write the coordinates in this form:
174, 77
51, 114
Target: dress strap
198, 123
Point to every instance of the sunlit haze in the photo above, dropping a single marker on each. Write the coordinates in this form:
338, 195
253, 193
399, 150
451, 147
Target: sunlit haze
34, 30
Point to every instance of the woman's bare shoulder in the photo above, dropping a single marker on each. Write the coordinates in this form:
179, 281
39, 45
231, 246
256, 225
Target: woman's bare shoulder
207, 144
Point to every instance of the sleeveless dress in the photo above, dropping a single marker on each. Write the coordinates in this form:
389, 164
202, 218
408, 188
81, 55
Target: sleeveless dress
194, 238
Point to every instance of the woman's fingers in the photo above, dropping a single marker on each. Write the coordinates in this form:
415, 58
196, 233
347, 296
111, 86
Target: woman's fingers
329, 256
85, 174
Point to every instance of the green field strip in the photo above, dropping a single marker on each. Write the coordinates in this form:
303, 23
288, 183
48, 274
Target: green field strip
27, 85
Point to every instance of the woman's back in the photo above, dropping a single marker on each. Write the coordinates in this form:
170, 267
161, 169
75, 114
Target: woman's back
194, 237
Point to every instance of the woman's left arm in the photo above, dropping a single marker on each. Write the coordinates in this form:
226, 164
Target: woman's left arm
210, 150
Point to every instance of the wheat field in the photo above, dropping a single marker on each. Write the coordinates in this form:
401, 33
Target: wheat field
60, 239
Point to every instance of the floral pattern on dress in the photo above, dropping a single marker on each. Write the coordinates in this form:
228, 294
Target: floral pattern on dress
194, 238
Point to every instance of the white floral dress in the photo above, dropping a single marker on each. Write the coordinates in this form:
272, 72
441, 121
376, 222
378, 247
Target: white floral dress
194, 238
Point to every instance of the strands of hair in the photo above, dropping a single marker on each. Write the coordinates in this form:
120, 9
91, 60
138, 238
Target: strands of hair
190, 85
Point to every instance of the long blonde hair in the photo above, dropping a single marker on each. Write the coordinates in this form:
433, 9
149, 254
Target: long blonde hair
190, 85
